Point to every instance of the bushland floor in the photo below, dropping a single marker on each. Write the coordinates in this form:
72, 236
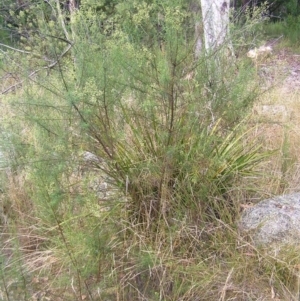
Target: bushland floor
276, 118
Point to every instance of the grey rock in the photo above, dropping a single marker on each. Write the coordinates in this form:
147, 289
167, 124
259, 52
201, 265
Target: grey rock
273, 221
89, 157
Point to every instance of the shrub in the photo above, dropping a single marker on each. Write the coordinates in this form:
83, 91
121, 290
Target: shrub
167, 135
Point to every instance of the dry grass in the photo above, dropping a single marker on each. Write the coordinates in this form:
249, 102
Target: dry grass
276, 115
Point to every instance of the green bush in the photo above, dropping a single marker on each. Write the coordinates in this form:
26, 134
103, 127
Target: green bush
289, 28
169, 138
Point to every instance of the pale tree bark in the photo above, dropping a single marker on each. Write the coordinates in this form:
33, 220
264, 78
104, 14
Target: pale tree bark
195, 10
215, 15
198, 39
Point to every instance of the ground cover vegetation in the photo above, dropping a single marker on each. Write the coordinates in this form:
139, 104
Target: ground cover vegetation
127, 160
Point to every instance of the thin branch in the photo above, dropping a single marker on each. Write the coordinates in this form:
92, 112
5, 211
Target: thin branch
50, 66
63, 25
15, 49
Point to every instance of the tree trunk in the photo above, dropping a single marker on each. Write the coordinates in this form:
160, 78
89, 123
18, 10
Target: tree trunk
215, 15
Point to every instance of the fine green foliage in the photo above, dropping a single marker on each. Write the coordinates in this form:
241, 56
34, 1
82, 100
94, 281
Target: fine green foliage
130, 156
289, 28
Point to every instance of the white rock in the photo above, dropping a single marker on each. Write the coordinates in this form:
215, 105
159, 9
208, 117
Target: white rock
261, 51
273, 221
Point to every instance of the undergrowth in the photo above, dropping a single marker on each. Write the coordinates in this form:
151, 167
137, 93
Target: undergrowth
288, 29
128, 165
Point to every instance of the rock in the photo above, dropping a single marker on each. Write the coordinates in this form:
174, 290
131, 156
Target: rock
89, 162
89, 157
262, 50
273, 221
